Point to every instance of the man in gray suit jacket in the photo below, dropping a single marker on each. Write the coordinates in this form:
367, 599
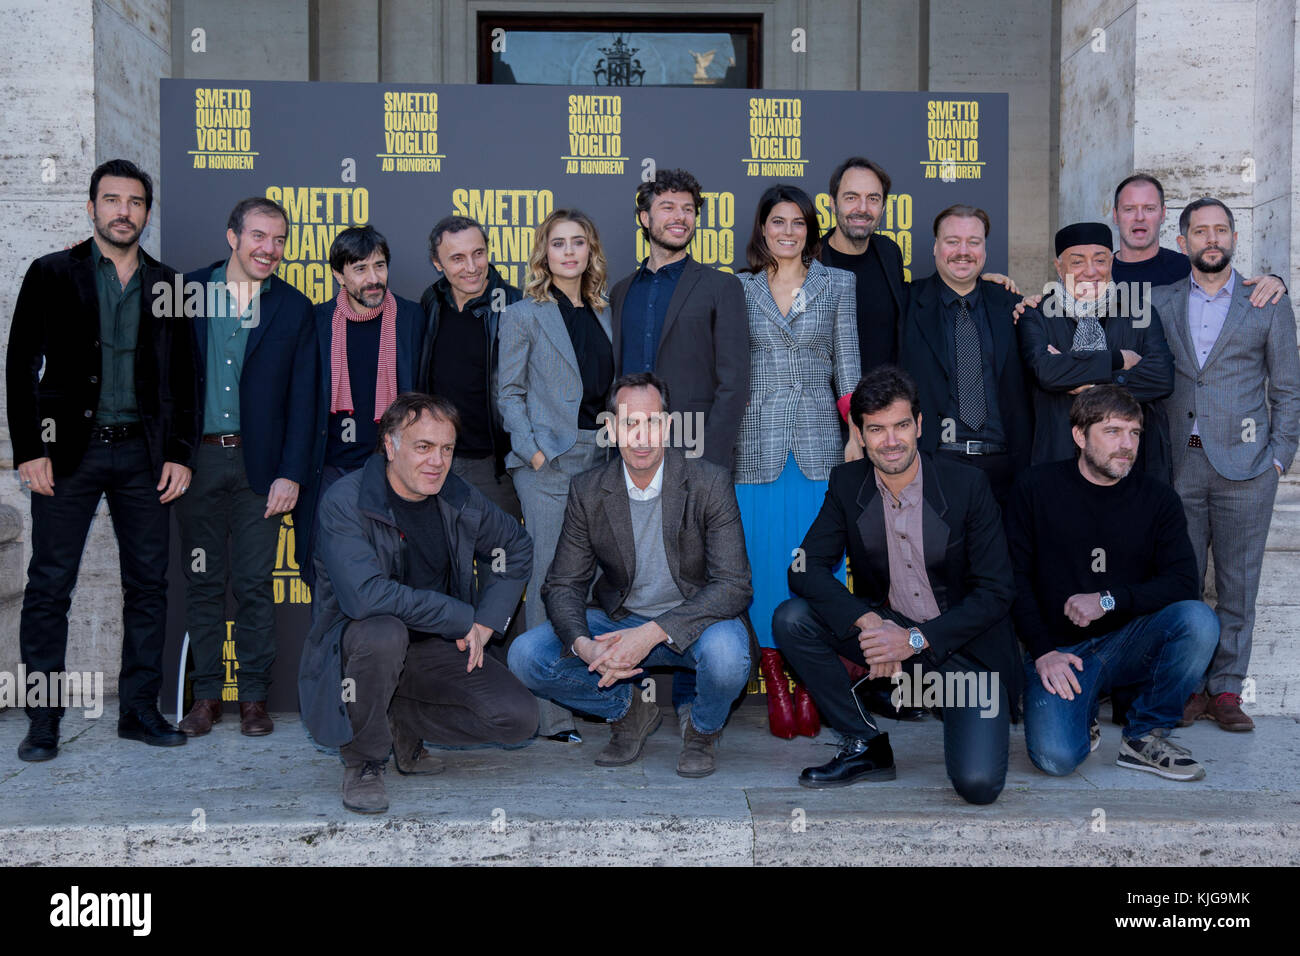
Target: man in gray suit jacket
665, 532
1234, 419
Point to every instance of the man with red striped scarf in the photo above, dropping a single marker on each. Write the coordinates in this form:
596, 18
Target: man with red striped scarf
368, 342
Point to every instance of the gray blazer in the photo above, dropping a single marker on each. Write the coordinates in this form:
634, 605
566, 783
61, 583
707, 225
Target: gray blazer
703, 542
540, 387
799, 367
1246, 398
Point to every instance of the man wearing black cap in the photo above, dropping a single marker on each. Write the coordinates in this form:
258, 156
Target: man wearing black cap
1086, 332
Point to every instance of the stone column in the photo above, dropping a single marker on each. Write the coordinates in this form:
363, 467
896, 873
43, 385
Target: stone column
85, 90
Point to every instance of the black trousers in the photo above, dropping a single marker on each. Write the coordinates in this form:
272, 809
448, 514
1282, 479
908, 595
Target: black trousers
999, 470
974, 744
224, 536
60, 523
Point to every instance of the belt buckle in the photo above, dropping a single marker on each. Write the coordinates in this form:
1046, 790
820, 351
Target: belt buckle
222, 439
971, 451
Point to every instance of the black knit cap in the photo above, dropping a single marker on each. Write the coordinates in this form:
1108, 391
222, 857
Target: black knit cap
1083, 234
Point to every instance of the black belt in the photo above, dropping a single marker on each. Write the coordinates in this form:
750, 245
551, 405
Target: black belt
109, 434
974, 447
230, 440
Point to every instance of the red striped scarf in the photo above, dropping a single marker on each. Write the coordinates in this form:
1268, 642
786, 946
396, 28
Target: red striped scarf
386, 379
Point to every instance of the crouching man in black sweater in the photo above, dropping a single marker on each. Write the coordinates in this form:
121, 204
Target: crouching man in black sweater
1106, 596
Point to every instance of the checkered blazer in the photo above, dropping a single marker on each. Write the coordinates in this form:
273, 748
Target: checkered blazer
799, 366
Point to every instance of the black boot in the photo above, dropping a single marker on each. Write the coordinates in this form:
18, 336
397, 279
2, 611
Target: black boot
857, 759
42, 740
148, 726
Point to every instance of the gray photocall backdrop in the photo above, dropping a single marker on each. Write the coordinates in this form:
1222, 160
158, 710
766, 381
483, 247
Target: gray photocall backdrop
401, 156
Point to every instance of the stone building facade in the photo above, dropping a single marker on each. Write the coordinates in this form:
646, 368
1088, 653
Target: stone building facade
1205, 95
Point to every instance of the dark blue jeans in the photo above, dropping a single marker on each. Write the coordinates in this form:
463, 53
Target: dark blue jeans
1165, 654
719, 657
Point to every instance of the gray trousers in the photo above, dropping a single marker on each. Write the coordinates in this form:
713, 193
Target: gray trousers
543, 494
1233, 518
423, 686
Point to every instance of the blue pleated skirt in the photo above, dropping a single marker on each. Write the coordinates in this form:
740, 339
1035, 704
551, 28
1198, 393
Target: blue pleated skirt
776, 516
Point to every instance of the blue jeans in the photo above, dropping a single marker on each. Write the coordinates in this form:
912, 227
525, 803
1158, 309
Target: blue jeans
719, 657
1165, 654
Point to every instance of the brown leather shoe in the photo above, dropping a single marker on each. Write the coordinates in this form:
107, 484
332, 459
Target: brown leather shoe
253, 719
205, 712
1225, 710
1194, 709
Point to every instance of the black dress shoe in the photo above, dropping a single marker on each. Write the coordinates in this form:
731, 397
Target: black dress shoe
148, 726
856, 760
42, 740
876, 698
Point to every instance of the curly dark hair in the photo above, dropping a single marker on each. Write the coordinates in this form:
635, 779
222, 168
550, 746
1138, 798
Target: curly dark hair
665, 181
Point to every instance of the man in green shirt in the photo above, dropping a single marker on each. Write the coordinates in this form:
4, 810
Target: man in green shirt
257, 378
101, 394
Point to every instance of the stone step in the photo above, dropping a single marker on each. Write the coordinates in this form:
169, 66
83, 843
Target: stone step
227, 799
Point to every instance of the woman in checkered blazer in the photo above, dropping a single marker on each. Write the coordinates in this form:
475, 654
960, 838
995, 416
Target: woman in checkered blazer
804, 364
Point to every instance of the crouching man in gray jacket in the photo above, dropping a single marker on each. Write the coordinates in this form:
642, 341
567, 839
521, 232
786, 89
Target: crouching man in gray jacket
395, 656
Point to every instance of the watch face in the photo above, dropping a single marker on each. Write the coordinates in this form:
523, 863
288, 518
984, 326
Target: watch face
916, 640
1108, 603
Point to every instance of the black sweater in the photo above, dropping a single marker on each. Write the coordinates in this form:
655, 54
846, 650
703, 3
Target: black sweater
1057, 521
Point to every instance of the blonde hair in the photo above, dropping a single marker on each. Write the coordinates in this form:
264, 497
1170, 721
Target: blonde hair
593, 278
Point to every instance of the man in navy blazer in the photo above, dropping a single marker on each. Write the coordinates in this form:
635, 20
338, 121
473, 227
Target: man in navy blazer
256, 366
377, 337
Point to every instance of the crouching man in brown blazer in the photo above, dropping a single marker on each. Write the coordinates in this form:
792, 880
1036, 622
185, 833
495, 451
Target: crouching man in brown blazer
664, 531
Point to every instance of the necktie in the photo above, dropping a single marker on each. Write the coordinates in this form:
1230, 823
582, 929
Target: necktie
970, 369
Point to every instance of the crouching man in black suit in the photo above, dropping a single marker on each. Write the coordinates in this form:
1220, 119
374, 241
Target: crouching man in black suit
932, 591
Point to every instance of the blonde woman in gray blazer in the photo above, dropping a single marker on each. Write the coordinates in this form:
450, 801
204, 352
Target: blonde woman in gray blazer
556, 366
804, 363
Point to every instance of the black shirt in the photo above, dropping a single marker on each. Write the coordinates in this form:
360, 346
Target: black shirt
426, 555
363, 371
460, 373
1068, 536
595, 359
991, 430
877, 310
1167, 267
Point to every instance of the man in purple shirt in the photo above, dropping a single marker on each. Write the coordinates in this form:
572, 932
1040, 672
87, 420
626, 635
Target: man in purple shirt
1234, 419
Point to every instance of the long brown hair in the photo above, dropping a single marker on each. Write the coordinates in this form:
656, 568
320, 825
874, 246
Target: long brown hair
593, 278
759, 255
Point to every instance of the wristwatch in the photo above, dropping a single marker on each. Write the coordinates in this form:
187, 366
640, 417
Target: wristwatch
1107, 602
916, 640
